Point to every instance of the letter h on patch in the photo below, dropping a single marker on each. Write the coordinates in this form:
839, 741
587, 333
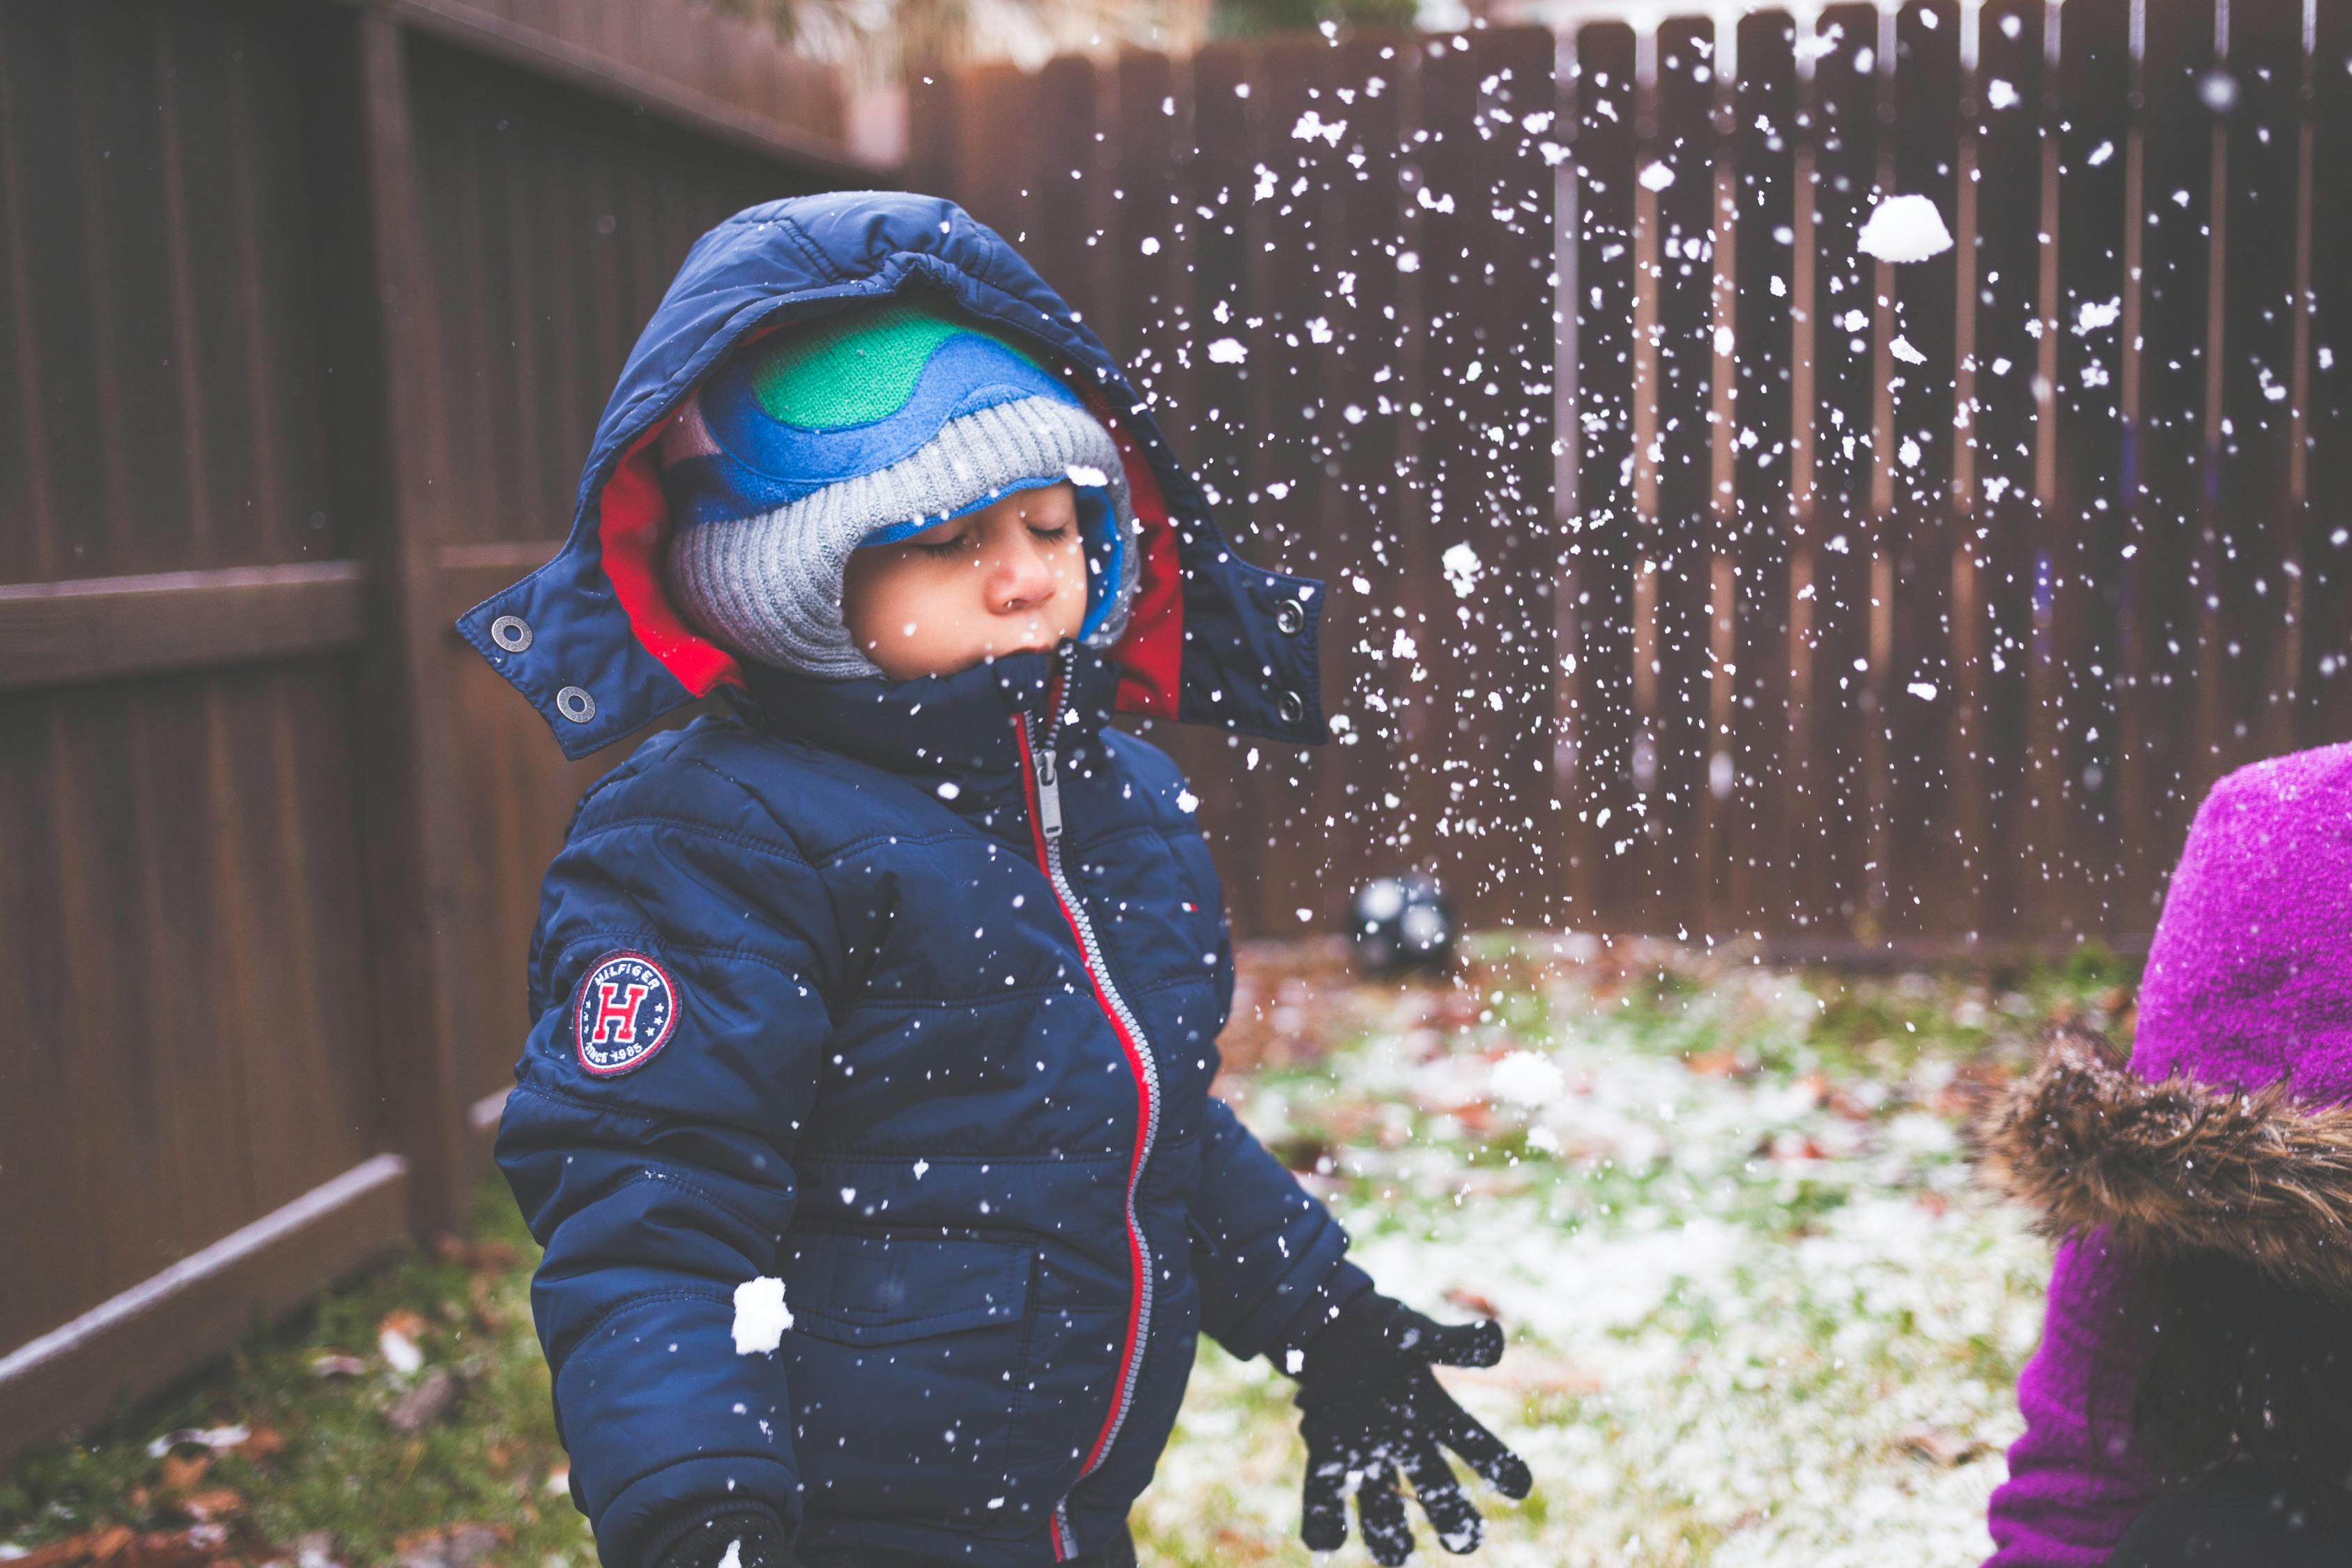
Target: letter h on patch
624, 1013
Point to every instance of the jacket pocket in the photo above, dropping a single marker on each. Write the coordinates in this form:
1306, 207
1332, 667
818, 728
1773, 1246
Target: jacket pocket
906, 1362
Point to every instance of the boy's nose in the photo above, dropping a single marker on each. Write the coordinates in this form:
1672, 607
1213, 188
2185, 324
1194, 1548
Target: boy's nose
1023, 578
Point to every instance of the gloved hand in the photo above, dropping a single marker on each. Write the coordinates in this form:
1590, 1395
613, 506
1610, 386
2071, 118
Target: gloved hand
732, 1537
1372, 1407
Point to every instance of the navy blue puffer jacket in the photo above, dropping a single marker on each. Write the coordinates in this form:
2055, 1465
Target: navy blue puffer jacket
904, 994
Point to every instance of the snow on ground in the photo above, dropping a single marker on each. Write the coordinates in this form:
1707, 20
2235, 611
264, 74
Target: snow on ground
1758, 1316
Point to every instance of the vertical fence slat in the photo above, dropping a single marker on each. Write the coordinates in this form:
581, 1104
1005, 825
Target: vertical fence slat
2005, 419
1765, 120
1920, 715
2167, 463
1673, 638
2250, 638
2325, 686
1602, 544
2079, 649
1834, 840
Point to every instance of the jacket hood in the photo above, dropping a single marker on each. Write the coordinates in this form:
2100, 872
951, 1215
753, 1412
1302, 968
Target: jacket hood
2177, 1165
593, 639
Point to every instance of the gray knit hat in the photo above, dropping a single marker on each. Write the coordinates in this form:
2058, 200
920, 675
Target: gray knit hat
865, 428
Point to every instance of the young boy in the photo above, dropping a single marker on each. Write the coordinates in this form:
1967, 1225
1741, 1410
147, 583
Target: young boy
901, 987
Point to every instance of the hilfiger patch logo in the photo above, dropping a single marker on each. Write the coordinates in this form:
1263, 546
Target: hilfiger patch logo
624, 1011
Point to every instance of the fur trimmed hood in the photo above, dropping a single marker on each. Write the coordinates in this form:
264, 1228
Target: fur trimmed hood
2174, 1166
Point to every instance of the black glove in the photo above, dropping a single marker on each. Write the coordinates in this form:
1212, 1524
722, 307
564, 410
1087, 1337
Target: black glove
1373, 1408
701, 1540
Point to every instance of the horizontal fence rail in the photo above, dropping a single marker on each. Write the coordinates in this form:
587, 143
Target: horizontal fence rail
1694, 568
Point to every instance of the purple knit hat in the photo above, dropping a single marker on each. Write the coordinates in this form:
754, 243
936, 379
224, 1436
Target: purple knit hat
2250, 977
2230, 1130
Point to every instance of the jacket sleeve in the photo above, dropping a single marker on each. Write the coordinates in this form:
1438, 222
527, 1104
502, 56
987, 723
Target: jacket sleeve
1268, 1255
658, 1187
2073, 1488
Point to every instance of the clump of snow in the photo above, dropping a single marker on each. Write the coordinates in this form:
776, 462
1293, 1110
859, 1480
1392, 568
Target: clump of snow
2097, 315
1312, 125
760, 1316
400, 1351
1656, 178
1526, 1078
1227, 351
1086, 473
1905, 228
1462, 569
734, 1557
1901, 348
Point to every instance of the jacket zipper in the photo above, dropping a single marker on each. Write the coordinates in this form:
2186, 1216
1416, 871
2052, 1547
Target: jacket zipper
1042, 782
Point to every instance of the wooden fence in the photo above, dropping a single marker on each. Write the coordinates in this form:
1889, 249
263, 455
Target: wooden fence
1692, 570
310, 310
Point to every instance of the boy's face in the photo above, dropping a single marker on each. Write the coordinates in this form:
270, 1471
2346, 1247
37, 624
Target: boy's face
1009, 578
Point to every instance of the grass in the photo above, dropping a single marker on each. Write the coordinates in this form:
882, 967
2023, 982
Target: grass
1758, 1314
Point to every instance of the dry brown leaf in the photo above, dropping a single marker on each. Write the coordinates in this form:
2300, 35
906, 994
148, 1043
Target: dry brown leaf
262, 1443
1471, 1301
401, 1322
459, 1546
425, 1404
182, 1471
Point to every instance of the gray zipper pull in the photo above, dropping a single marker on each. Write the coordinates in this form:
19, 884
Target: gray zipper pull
1049, 795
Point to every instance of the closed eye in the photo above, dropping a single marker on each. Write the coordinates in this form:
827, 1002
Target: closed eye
956, 543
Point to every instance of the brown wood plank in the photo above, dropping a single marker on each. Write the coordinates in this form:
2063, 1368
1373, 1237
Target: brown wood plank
2249, 652
104, 628
2324, 685
2168, 453
1602, 544
1837, 832
1362, 504
2005, 514
138, 1340
1920, 718
1228, 147
1674, 676
1291, 498
1761, 769
2077, 755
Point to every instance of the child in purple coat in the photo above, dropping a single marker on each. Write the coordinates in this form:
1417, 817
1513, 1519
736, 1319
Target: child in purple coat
2191, 1399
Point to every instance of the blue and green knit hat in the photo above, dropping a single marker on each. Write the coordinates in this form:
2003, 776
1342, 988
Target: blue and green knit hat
865, 428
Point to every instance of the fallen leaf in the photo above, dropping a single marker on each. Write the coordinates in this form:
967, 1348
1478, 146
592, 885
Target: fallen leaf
265, 1442
459, 1546
219, 1503
182, 1472
425, 1404
1469, 1301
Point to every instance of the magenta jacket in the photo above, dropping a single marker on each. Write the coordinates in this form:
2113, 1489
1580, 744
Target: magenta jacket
2248, 987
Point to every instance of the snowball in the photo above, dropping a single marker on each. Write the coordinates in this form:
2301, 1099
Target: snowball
1999, 94
1228, 350
1526, 1078
760, 1316
1905, 228
1462, 569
